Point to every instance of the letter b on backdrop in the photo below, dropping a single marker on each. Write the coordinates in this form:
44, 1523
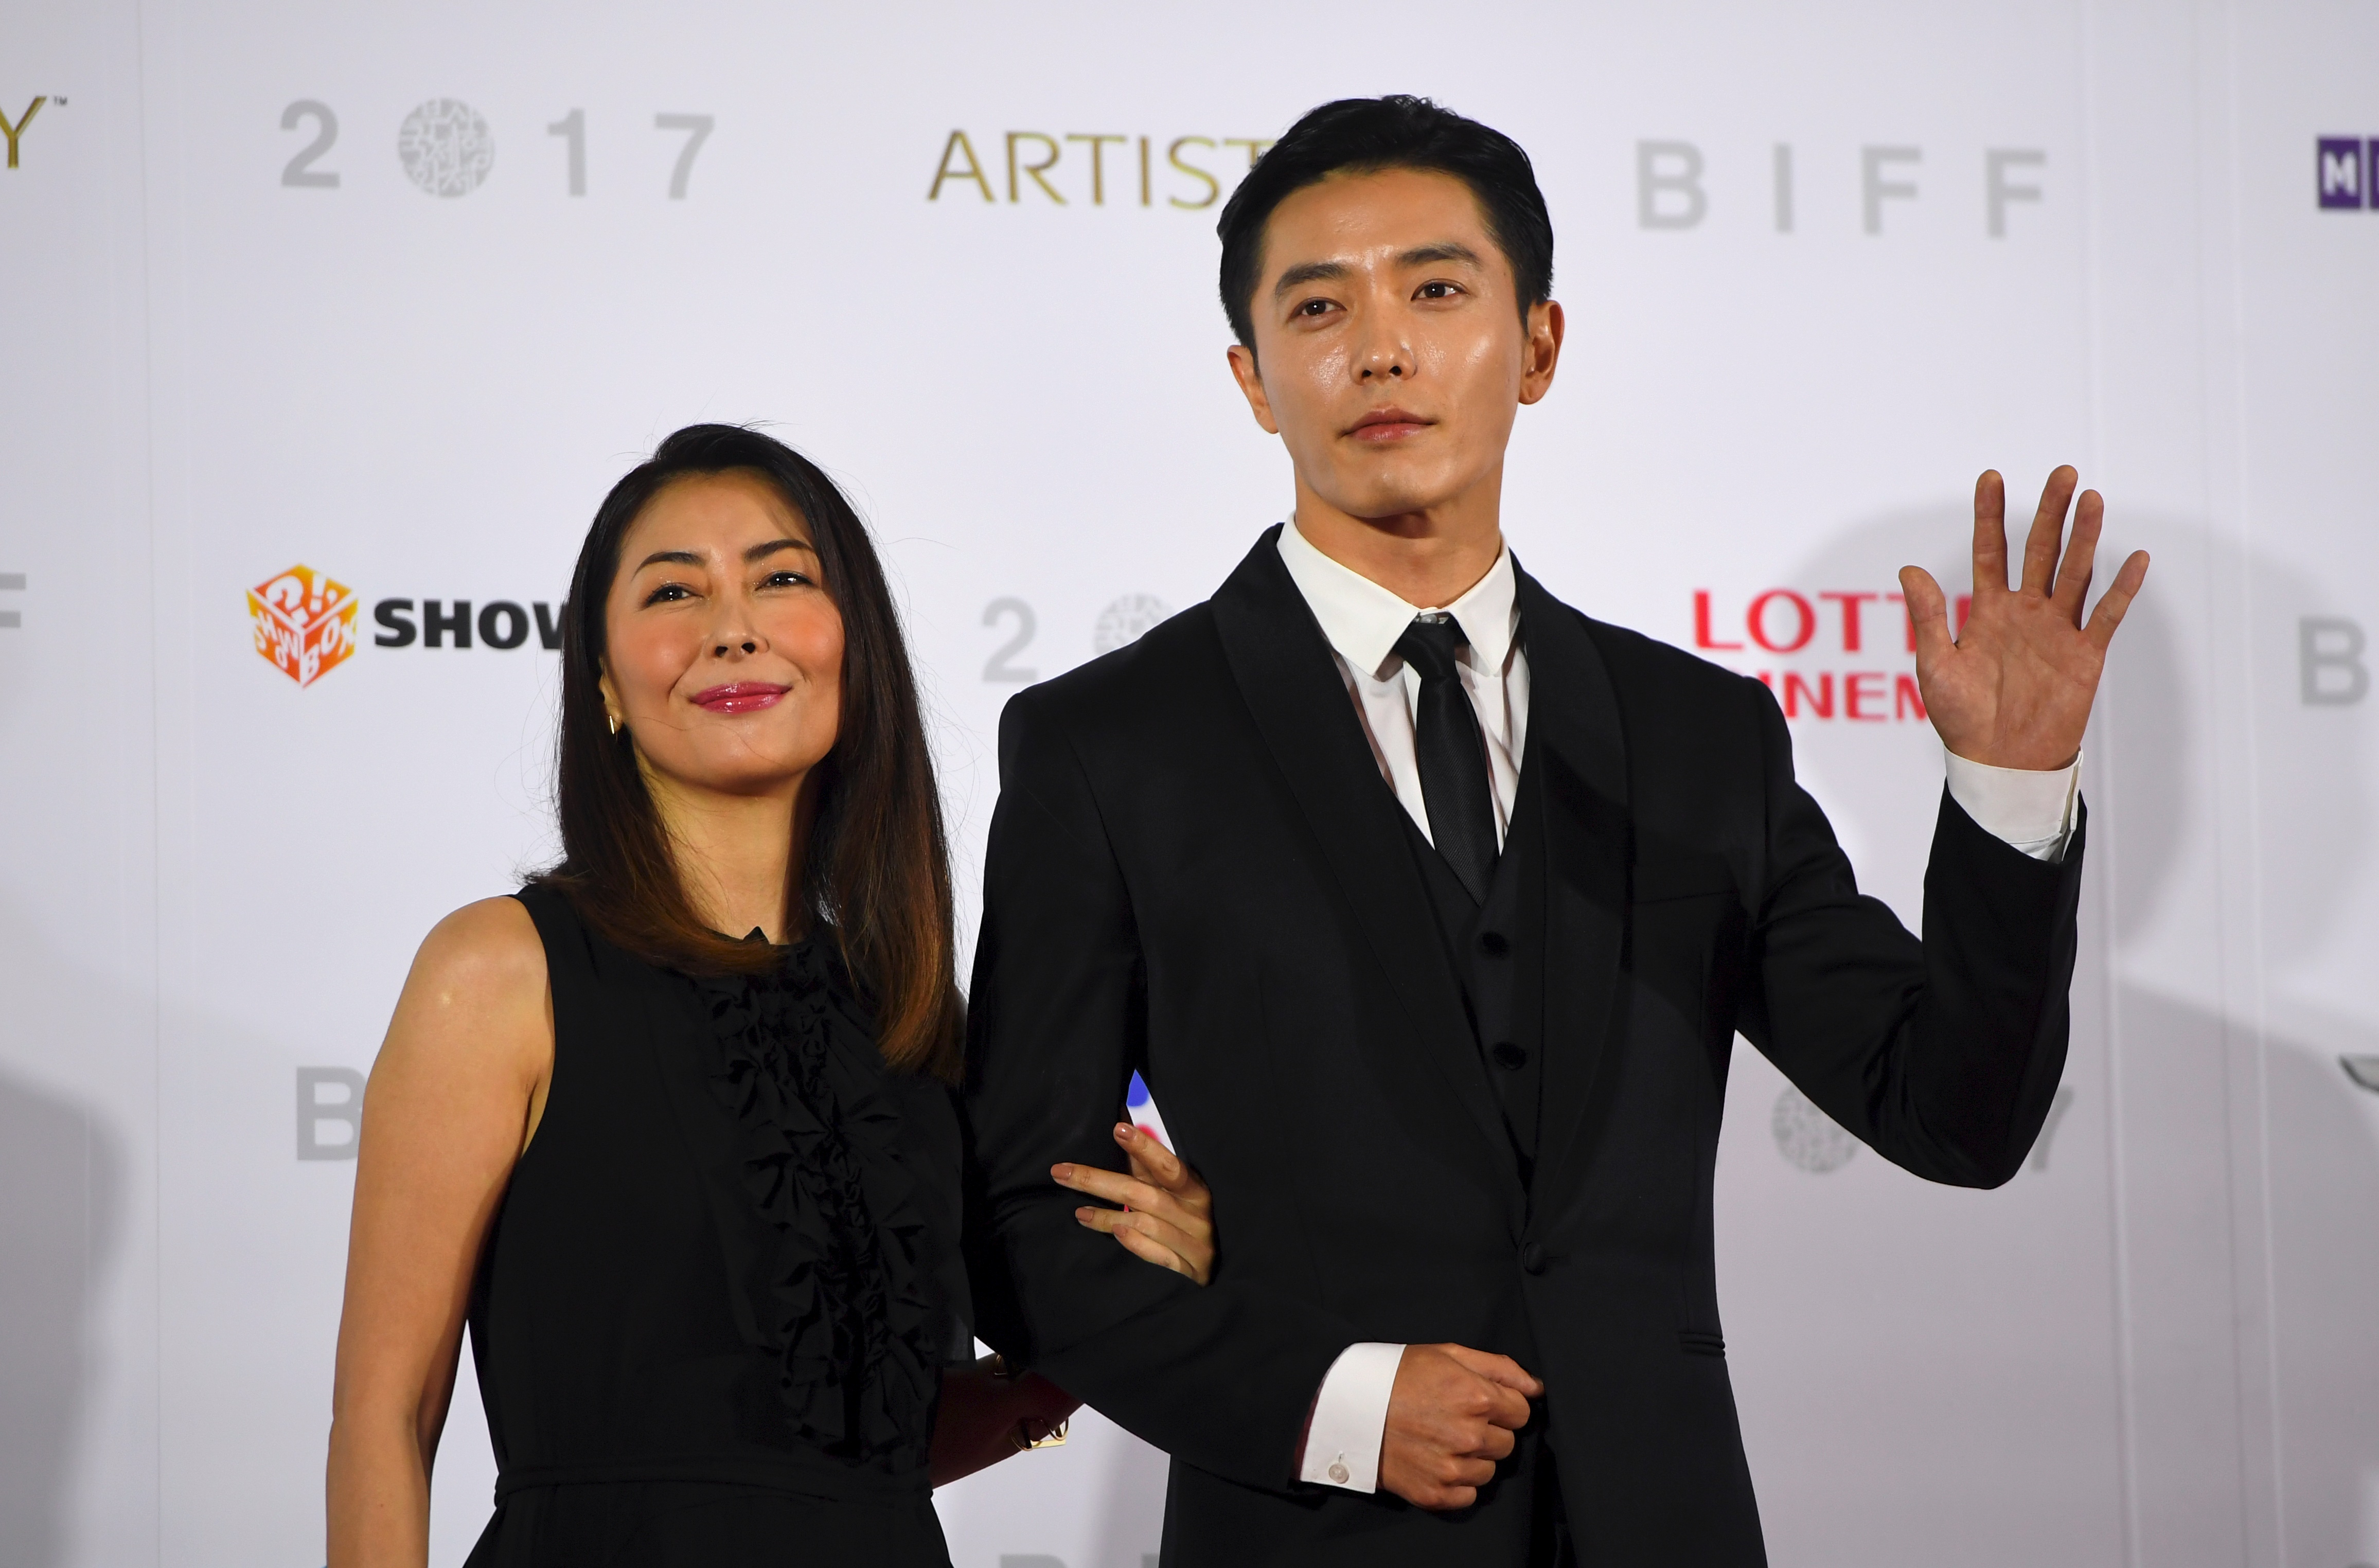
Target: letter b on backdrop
329, 1112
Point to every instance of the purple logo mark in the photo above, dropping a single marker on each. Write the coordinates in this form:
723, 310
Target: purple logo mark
2342, 170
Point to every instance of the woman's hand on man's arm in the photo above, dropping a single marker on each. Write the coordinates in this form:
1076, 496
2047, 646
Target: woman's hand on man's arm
1166, 1216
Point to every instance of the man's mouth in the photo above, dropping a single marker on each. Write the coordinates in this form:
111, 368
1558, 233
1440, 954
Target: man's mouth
740, 696
1382, 425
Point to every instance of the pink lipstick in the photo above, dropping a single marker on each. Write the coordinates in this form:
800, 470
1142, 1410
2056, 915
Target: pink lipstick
740, 696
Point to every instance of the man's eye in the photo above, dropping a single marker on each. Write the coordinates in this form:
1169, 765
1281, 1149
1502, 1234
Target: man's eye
1438, 291
1313, 307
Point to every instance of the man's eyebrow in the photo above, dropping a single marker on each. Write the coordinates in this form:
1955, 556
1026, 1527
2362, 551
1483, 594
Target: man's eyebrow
1308, 273
1443, 251
1329, 272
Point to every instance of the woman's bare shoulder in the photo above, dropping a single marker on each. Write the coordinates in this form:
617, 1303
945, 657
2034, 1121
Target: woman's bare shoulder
485, 955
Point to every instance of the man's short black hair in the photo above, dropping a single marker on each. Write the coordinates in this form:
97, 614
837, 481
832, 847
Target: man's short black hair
1365, 135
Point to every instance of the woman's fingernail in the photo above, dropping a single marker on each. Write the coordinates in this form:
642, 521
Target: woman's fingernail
1125, 1130
1062, 1172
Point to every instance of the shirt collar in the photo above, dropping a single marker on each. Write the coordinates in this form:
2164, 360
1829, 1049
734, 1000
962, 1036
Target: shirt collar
1363, 621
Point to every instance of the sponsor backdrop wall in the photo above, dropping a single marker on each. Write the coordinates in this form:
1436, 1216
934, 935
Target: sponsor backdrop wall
325, 328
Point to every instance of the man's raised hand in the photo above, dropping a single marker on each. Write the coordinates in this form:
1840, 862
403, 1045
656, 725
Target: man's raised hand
2014, 688
1451, 1416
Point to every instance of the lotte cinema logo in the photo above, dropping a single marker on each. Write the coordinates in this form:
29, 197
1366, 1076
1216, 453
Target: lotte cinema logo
304, 623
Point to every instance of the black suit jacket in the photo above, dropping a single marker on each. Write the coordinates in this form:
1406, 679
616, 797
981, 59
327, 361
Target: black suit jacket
1196, 871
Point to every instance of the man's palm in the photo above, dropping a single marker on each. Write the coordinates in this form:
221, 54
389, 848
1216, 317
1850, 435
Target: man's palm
2013, 688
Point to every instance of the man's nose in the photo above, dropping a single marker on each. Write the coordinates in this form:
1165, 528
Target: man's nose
1382, 353
1387, 360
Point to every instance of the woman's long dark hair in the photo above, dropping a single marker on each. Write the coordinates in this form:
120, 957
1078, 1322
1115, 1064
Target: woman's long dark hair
876, 866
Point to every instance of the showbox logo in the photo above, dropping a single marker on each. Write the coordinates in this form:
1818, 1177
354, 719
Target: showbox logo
2343, 167
501, 623
304, 623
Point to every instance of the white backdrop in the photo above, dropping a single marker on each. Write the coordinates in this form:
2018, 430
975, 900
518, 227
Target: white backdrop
392, 292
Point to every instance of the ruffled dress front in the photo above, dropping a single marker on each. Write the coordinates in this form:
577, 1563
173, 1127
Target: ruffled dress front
713, 1310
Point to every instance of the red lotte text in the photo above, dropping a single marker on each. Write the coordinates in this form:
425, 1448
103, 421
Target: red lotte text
1820, 626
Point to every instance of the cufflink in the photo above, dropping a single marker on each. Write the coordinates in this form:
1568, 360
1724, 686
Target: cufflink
1338, 1471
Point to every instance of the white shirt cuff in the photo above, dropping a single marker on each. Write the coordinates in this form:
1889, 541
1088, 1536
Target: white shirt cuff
1350, 1418
2032, 812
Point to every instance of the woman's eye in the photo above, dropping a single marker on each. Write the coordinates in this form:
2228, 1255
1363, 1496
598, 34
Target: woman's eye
668, 592
786, 580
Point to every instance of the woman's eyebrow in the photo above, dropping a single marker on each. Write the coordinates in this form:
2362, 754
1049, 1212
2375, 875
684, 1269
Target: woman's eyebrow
688, 558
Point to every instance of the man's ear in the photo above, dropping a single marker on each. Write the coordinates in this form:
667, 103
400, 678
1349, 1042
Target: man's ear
1251, 387
1542, 352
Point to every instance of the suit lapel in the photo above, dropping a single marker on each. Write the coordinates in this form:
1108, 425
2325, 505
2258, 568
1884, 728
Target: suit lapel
1577, 743
1287, 676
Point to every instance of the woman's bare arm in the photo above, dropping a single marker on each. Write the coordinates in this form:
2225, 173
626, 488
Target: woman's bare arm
453, 1097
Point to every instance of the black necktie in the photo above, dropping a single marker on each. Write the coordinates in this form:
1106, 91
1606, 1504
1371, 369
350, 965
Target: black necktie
1452, 753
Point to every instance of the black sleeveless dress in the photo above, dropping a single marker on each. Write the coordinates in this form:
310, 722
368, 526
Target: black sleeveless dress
712, 1314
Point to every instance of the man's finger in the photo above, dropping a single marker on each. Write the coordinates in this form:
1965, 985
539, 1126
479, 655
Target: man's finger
2117, 600
1991, 534
1928, 612
2048, 531
1499, 1370
2080, 556
1495, 1443
1463, 1470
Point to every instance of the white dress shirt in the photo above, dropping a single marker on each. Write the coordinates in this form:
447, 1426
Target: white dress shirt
2034, 812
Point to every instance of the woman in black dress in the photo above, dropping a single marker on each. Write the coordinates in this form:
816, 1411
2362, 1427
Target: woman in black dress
670, 1129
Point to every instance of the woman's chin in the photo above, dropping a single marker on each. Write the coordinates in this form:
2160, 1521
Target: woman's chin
743, 777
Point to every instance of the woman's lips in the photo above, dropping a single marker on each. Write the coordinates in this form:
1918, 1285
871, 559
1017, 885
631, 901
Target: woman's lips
740, 696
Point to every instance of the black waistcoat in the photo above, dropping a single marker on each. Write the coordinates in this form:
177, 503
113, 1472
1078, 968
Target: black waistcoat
1497, 951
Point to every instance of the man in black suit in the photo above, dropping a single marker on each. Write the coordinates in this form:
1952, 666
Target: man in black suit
1430, 910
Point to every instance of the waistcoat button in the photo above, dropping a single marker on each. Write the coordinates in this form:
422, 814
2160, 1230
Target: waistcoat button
1509, 1056
1532, 1258
1492, 943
